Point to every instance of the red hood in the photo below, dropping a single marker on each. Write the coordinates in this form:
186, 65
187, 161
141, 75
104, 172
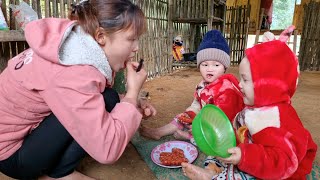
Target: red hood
275, 72
46, 35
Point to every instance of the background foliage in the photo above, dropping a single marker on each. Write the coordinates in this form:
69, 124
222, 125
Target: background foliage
282, 13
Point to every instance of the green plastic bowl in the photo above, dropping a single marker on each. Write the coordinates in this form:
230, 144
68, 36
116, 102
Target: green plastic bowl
213, 131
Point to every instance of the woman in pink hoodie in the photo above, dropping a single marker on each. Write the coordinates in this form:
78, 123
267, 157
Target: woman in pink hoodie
56, 101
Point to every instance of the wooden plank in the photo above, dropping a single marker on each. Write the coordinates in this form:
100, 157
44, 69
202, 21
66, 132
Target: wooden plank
68, 6
13, 35
196, 20
307, 36
184, 64
170, 32
4, 9
201, 15
295, 39
47, 8
11, 18
180, 7
39, 11
210, 14
303, 41
62, 9
55, 8
197, 10
316, 36
310, 52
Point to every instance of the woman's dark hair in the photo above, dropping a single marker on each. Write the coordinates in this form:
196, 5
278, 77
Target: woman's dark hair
112, 15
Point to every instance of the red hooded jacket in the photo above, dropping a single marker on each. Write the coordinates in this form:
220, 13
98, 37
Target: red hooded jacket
277, 146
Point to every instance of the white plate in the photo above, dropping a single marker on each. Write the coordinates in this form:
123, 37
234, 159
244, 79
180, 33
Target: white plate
190, 151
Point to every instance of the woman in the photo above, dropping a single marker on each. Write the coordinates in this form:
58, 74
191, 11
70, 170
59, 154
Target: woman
56, 101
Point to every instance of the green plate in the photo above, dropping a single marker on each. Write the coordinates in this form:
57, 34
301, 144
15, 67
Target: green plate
213, 131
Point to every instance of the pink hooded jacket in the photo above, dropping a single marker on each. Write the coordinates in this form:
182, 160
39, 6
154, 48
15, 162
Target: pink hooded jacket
36, 83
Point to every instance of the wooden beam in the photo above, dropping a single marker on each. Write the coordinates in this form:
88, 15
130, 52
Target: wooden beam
295, 40
185, 64
170, 34
196, 20
12, 35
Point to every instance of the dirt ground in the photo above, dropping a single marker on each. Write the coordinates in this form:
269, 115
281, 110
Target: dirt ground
171, 94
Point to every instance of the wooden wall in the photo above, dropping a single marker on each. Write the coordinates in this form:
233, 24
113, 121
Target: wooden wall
298, 14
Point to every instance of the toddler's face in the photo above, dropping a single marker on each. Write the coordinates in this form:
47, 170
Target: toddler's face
246, 83
211, 70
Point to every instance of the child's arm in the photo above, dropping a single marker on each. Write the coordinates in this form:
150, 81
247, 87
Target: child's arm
190, 113
194, 107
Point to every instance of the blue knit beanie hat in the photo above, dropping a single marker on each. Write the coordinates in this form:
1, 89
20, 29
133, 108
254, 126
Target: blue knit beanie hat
214, 47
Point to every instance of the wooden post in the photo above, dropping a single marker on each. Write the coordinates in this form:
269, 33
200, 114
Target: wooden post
259, 26
170, 34
224, 18
295, 38
210, 14
47, 8
257, 36
62, 9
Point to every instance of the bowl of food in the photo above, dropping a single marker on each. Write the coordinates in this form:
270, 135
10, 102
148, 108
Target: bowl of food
213, 132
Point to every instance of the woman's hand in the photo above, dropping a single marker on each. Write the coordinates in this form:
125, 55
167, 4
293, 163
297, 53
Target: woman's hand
135, 80
234, 158
146, 108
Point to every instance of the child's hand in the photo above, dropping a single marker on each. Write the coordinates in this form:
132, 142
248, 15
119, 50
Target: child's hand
234, 158
186, 117
146, 108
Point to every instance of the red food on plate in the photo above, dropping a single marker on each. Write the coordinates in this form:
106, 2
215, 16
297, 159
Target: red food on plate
174, 158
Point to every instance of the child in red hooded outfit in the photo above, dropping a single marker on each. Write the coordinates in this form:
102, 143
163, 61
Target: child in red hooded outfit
216, 88
273, 142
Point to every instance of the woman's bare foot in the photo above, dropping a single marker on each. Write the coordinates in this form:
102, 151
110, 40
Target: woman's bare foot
196, 173
150, 133
181, 135
73, 176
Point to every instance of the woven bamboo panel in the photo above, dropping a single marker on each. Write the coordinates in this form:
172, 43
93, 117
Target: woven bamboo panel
254, 11
236, 31
154, 43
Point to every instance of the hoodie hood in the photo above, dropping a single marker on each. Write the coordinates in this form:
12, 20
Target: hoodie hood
62, 41
275, 71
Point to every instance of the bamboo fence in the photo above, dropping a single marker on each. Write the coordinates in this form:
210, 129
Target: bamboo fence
192, 19
236, 31
154, 43
309, 54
